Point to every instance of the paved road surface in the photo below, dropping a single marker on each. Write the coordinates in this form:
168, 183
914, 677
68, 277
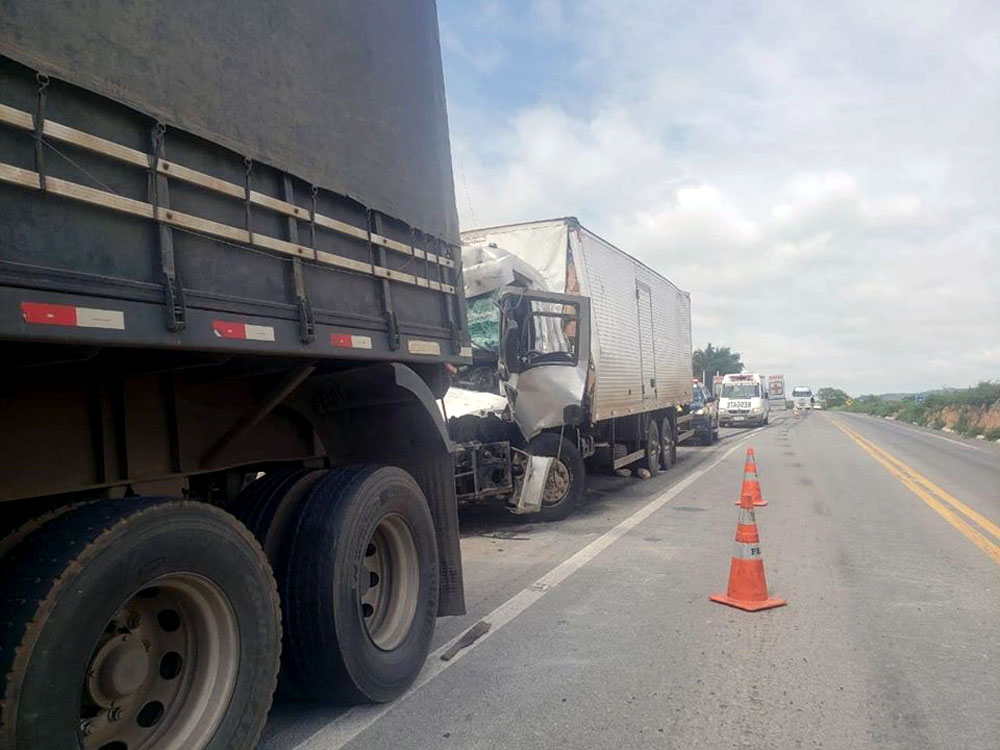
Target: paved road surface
882, 537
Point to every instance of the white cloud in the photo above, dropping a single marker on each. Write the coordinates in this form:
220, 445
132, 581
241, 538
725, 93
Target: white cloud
828, 169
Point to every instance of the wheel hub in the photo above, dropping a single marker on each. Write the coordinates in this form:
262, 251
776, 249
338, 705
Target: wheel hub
389, 583
164, 670
119, 669
556, 483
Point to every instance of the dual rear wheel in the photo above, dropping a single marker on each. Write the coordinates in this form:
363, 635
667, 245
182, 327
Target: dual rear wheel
355, 556
150, 624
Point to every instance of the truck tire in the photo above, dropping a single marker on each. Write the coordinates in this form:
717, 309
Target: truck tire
668, 446
266, 505
358, 572
18, 534
651, 461
146, 623
567, 478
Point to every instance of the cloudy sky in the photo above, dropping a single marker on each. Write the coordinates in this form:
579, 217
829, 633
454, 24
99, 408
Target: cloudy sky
823, 177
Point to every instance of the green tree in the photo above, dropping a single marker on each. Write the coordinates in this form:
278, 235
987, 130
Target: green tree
833, 396
711, 361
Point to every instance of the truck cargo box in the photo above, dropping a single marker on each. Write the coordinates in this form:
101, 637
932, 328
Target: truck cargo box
241, 176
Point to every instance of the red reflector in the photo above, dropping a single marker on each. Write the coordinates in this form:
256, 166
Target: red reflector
229, 330
53, 315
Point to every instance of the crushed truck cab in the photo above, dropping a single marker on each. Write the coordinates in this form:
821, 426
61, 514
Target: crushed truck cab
591, 352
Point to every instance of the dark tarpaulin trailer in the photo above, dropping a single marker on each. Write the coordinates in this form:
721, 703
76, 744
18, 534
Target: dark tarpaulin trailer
345, 94
302, 201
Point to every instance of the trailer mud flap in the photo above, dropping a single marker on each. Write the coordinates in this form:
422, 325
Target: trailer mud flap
529, 499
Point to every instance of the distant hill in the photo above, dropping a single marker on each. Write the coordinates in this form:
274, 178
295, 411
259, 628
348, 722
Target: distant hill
912, 395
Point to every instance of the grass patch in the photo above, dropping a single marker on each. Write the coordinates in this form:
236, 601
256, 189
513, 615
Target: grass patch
964, 427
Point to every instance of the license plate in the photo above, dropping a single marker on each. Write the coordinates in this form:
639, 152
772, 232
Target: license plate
738, 419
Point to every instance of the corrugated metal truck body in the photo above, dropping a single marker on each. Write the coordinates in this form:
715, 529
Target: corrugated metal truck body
642, 325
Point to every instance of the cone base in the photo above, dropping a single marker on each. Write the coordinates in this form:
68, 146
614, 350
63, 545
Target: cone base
748, 606
755, 504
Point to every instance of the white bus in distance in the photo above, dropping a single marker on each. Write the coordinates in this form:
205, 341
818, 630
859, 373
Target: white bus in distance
744, 400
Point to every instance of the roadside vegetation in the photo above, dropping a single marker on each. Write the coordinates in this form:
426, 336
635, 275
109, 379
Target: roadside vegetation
971, 411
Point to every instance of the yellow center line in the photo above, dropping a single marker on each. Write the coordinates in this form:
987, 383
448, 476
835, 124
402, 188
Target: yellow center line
969, 531
943, 494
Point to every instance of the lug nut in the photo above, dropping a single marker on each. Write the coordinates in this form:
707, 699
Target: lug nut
115, 714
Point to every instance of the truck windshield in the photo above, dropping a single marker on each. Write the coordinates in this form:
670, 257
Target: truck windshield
549, 333
802, 392
740, 390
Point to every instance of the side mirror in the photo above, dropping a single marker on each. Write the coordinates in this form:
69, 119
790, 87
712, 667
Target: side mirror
510, 347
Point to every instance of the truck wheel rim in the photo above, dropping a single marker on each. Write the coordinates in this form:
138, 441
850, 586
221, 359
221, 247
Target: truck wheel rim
557, 483
390, 583
162, 675
666, 446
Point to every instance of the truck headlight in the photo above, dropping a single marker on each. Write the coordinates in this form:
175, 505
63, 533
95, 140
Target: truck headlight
756, 410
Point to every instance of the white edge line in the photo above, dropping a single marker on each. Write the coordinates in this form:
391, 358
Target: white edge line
931, 434
347, 726
950, 440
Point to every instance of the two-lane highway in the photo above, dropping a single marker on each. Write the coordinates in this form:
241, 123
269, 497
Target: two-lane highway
959, 467
602, 635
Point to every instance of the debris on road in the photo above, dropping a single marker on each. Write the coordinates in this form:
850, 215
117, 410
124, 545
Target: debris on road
470, 636
506, 535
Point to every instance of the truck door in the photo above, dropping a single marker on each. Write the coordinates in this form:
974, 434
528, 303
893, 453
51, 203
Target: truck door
644, 301
544, 356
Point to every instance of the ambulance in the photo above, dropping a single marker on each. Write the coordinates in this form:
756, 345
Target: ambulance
744, 400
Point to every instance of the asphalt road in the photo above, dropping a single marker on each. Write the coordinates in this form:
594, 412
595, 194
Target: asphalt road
882, 538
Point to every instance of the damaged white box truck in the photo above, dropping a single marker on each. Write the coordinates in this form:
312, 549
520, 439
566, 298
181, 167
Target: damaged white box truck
590, 353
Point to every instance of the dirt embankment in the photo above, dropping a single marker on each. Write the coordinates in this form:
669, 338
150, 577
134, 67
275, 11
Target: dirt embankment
974, 411
968, 420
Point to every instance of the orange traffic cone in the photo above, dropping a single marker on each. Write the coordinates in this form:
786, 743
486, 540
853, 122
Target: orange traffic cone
747, 585
751, 484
